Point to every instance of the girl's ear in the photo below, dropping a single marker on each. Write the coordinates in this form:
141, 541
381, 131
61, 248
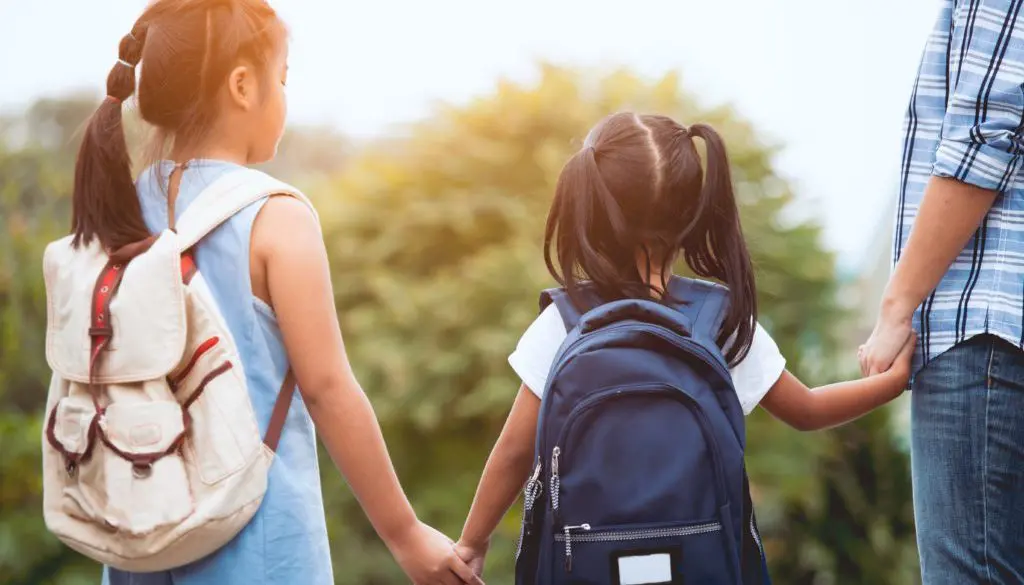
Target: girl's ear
242, 87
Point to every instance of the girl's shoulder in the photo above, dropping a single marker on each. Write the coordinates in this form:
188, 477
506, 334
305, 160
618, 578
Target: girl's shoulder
537, 347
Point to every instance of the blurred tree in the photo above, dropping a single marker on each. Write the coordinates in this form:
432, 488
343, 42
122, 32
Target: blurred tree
36, 169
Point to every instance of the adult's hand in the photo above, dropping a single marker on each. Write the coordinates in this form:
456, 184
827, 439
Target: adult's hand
949, 214
891, 333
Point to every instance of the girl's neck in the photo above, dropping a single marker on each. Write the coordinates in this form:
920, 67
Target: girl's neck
227, 153
652, 274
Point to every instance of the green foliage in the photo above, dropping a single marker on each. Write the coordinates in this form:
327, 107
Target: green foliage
35, 180
435, 240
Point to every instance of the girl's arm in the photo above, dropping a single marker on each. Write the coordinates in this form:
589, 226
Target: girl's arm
289, 266
804, 409
506, 471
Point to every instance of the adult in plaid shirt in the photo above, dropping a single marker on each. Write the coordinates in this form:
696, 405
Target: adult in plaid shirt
959, 280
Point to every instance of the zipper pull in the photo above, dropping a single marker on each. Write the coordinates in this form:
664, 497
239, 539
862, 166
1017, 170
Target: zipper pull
533, 489
556, 485
536, 471
568, 543
530, 493
556, 481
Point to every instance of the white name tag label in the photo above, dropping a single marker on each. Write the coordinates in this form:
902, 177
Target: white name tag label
645, 569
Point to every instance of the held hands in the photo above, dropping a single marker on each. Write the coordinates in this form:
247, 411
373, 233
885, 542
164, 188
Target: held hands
890, 335
473, 555
898, 370
428, 558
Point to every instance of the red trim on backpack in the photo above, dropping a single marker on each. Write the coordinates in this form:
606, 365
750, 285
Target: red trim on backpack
101, 329
188, 267
202, 385
200, 351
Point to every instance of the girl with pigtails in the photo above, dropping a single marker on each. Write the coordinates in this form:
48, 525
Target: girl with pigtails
632, 203
211, 83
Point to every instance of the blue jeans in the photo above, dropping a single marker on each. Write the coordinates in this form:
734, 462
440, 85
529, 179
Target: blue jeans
967, 453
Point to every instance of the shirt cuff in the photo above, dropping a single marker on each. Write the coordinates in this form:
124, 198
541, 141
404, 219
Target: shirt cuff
771, 371
984, 165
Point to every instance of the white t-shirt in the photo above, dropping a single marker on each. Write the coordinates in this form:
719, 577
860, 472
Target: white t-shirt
752, 378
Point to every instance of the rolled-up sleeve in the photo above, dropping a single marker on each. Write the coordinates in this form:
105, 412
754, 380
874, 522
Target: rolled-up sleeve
980, 140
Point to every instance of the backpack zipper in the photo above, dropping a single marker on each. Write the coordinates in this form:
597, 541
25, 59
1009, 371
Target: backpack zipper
534, 487
567, 530
556, 484
610, 535
757, 538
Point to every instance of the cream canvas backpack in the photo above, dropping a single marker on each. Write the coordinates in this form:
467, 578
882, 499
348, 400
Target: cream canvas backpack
152, 456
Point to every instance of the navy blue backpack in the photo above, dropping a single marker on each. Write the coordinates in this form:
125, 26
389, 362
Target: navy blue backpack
639, 475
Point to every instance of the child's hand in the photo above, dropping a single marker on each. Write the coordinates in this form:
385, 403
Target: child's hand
472, 555
899, 373
427, 558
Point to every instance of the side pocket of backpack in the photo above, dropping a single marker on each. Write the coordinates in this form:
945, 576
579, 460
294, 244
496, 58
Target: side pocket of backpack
529, 534
211, 384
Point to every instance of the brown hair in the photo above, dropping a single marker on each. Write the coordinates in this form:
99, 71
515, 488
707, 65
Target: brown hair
187, 48
638, 187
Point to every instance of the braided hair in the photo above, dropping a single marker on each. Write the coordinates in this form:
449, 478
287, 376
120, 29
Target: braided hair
186, 49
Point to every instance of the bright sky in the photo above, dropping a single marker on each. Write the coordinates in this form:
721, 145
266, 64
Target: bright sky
828, 80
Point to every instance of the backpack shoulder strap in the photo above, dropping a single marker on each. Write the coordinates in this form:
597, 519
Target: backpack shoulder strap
279, 414
570, 314
225, 197
218, 202
703, 302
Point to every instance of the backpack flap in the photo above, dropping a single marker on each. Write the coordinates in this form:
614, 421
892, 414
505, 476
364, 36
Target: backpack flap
146, 319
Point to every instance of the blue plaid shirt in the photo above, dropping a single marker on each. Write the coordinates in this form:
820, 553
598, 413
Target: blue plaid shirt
965, 120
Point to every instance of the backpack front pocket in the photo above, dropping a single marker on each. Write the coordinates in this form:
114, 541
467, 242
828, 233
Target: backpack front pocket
132, 477
646, 554
146, 481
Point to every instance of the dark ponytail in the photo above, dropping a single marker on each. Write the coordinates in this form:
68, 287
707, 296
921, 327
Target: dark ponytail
105, 205
715, 248
591, 234
633, 199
